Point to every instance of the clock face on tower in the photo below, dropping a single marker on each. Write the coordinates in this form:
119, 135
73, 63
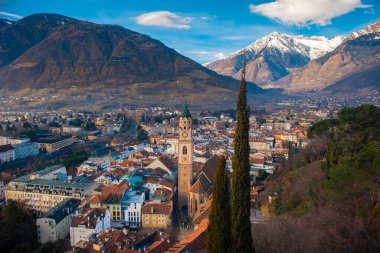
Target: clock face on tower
184, 159
184, 134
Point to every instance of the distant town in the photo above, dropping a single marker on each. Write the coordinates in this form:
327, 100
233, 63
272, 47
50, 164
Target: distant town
108, 180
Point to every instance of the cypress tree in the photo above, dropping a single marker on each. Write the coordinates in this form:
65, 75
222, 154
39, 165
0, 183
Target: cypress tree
240, 195
218, 231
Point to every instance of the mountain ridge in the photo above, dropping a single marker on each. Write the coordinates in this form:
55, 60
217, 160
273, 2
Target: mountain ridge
274, 56
54, 51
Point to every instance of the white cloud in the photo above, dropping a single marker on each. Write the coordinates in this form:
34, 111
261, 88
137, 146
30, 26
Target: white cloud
10, 15
306, 12
209, 55
163, 19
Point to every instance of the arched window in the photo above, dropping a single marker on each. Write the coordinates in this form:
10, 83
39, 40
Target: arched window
184, 150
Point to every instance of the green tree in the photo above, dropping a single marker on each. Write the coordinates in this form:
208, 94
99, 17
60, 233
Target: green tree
240, 195
142, 135
17, 226
90, 126
76, 122
218, 234
54, 124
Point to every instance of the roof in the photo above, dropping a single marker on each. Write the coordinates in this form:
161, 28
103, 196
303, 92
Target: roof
59, 212
61, 183
157, 242
166, 184
50, 169
110, 194
6, 148
203, 211
156, 208
209, 168
201, 186
186, 113
194, 242
52, 139
88, 218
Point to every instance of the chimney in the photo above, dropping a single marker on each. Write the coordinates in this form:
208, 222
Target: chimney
152, 209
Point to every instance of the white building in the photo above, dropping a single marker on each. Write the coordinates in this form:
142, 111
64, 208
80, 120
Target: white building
49, 172
152, 184
55, 224
25, 150
90, 221
2, 190
7, 153
4, 140
131, 204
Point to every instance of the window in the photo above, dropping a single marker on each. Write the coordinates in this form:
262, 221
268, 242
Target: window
184, 150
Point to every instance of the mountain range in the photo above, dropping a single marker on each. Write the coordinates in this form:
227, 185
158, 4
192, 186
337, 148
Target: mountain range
298, 63
54, 52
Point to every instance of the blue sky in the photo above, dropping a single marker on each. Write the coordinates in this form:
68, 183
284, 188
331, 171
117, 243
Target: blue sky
205, 30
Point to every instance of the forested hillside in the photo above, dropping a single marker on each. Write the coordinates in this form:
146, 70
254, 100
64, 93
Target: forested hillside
327, 197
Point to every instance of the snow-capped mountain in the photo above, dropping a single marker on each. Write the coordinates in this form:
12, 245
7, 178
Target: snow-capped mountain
274, 56
353, 66
317, 46
373, 28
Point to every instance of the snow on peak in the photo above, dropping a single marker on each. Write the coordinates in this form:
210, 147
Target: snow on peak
375, 27
311, 47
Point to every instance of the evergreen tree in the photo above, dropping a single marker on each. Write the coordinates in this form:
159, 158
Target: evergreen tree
240, 196
218, 234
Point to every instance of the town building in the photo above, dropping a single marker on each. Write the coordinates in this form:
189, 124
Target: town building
156, 215
111, 199
88, 222
185, 159
122, 241
55, 224
25, 150
7, 153
194, 242
132, 204
54, 143
43, 190
4, 140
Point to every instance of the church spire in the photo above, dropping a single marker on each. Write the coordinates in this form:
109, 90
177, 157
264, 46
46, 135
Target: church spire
186, 113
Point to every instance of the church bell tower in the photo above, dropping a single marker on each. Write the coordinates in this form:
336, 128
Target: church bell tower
185, 158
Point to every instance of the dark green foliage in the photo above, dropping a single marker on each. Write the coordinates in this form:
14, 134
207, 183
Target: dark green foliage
278, 206
90, 126
263, 175
324, 127
240, 190
218, 231
26, 124
76, 122
333, 204
361, 173
75, 159
228, 112
54, 124
33, 134
17, 226
142, 135
52, 247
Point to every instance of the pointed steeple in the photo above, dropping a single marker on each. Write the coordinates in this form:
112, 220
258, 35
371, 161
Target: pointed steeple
186, 113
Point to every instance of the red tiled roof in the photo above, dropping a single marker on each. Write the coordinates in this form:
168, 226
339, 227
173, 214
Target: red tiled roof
156, 208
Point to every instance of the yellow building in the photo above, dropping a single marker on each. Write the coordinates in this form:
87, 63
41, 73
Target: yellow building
54, 143
43, 194
156, 215
110, 198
